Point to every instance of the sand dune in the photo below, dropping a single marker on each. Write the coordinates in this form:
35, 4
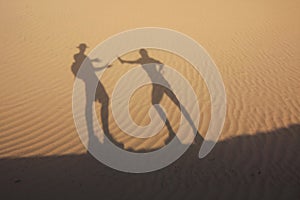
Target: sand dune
260, 166
256, 47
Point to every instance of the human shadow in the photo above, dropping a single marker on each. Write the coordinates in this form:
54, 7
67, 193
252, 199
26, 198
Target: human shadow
150, 64
263, 165
88, 76
83, 64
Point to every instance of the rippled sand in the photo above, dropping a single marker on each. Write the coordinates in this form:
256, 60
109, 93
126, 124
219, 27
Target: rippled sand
256, 46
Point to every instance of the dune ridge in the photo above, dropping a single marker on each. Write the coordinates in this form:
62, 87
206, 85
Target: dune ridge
256, 47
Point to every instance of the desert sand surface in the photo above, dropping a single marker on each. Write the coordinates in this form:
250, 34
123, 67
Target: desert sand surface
256, 47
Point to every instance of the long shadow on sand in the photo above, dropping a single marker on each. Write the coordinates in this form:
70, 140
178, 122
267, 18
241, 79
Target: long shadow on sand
261, 166
83, 68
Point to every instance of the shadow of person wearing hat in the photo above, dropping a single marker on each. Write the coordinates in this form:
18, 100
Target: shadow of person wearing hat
80, 57
88, 76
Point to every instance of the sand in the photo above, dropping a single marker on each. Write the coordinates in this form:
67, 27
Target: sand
256, 46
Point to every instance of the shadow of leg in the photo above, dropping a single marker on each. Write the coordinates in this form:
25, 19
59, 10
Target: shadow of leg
198, 138
103, 98
157, 94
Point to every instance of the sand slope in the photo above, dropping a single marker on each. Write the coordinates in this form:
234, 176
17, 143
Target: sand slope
255, 45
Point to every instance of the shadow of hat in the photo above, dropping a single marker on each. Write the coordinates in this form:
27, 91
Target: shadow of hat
82, 46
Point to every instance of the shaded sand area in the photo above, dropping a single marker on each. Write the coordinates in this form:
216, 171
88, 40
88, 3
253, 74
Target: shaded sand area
256, 46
